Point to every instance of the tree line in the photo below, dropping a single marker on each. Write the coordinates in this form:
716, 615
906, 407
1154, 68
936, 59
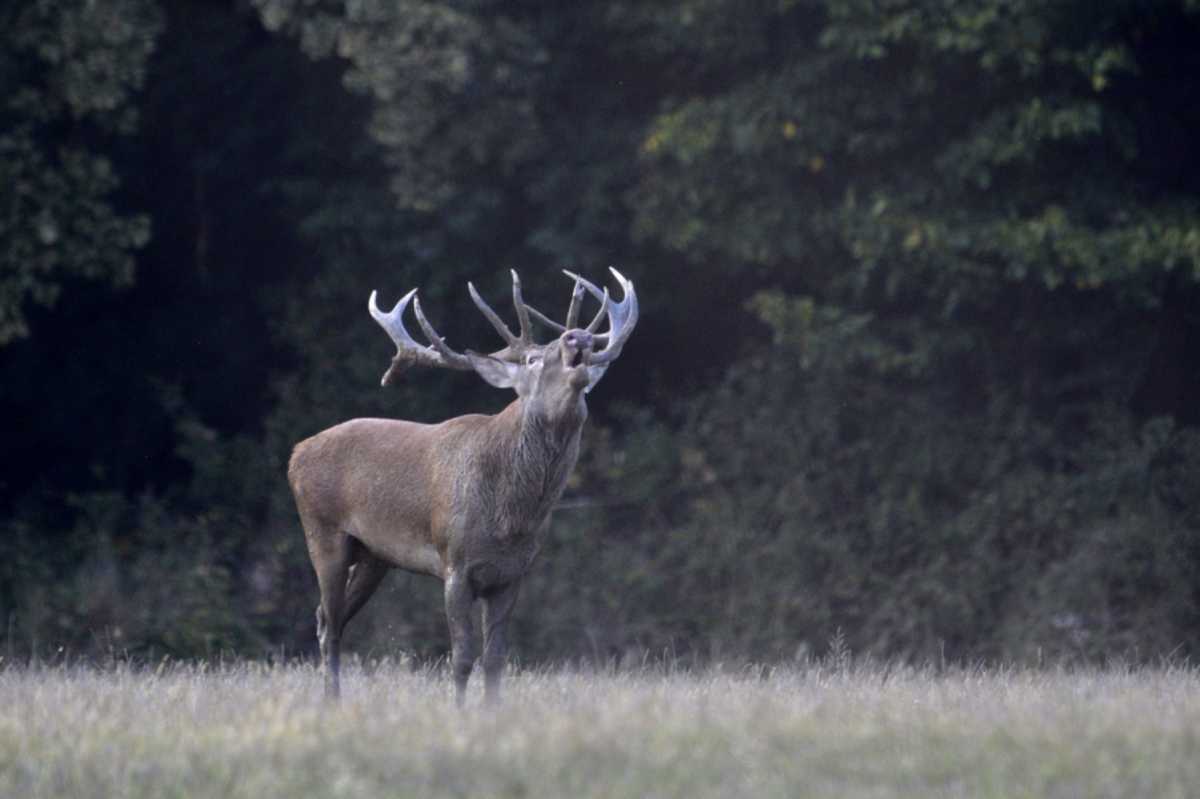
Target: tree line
916, 366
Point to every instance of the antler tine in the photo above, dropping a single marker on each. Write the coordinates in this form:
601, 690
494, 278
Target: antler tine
595, 291
576, 303
437, 342
587, 284
391, 322
622, 317
493, 317
522, 309
408, 351
572, 311
595, 323
545, 320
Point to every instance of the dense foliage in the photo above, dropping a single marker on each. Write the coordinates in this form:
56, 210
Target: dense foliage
919, 280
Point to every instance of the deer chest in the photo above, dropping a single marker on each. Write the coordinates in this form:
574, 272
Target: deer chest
502, 562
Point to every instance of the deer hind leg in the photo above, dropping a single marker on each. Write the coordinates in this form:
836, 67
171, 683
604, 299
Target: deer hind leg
331, 557
366, 574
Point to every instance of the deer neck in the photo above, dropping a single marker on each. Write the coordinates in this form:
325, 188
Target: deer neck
540, 454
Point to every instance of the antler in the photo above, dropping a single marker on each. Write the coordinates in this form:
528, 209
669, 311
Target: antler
622, 317
573, 310
517, 345
408, 351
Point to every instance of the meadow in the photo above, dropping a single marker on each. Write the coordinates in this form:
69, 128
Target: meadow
821, 730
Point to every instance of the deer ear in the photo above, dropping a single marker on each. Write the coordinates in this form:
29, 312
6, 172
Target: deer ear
500, 374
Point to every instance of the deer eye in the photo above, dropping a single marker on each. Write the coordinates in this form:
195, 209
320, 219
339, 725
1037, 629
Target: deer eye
533, 358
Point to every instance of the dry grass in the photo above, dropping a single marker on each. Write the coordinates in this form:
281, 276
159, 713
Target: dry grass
859, 731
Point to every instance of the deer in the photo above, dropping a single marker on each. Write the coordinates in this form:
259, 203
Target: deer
468, 500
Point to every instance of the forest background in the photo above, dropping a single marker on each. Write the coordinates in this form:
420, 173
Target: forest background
917, 370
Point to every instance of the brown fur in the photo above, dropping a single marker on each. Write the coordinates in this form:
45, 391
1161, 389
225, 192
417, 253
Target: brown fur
466, 500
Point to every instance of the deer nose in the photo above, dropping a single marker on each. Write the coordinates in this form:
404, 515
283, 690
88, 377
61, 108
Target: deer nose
578, 339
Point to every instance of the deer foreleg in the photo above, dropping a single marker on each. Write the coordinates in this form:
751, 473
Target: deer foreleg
459, 598
497, 605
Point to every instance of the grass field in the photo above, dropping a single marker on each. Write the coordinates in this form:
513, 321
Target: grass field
251, 730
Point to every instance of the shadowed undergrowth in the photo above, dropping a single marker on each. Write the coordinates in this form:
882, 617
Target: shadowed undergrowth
250, 730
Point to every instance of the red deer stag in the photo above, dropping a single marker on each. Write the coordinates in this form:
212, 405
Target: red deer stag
466, 500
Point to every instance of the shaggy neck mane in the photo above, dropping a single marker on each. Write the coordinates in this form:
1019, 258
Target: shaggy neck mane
539, 456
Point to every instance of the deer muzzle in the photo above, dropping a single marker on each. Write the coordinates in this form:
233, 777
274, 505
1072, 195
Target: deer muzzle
576, 348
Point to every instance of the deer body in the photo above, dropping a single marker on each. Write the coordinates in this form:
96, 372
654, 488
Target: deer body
428, 498
466, 500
